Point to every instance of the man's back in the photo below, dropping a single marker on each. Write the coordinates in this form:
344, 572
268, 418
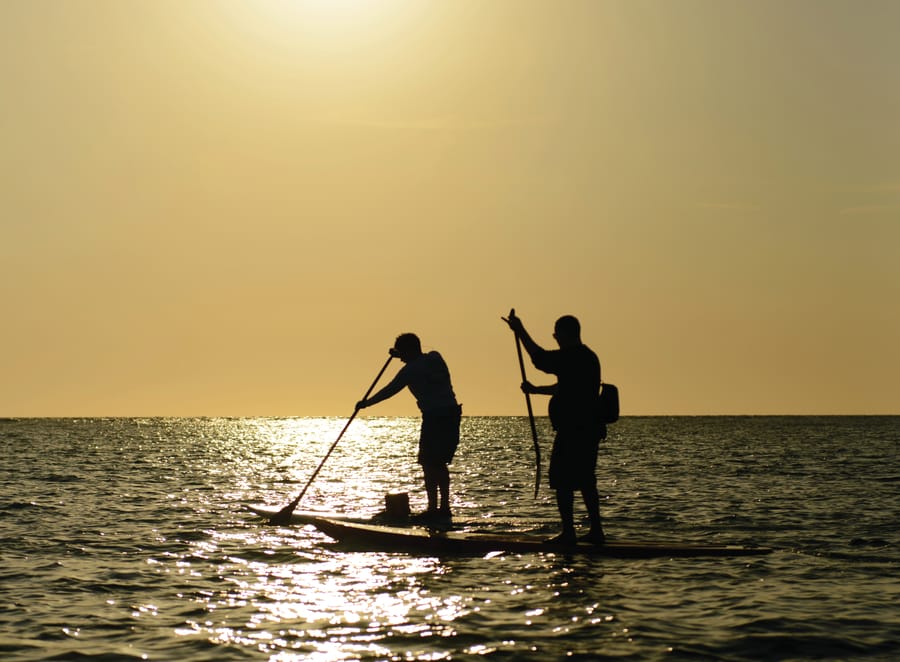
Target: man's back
577, 369
428, 379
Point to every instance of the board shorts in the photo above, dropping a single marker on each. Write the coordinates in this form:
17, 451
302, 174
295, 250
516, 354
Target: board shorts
439, 436
573, 460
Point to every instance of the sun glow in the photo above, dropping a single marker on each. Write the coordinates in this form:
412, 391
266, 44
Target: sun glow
317, 14
321, 28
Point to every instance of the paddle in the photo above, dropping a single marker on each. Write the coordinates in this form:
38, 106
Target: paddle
534, 437
283, 516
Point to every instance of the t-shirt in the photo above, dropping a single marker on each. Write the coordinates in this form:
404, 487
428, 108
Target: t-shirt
428, 379
578, 383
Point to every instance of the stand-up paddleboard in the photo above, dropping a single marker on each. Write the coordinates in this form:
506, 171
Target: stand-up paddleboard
425, 541
299, 516
307, 516
395, 513
382, 518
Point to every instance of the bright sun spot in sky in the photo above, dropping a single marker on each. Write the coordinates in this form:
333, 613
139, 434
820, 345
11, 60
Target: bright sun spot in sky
327, 26
319, 11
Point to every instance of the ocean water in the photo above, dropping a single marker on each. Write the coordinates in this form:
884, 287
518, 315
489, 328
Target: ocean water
128, 539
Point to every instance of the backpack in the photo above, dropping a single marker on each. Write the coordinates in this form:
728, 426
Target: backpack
608, 403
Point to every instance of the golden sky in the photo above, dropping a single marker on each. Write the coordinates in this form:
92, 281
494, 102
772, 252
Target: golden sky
232, 207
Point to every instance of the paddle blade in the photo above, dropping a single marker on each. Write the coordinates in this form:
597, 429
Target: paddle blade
283, 516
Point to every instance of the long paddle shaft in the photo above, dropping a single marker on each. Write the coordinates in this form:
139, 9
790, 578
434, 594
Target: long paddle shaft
534, 437
283, 516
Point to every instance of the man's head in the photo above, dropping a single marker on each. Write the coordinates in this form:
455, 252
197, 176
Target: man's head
406, 347
567, 331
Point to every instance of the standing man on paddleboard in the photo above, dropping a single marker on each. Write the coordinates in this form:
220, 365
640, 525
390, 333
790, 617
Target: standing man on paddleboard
428, 379
573, 414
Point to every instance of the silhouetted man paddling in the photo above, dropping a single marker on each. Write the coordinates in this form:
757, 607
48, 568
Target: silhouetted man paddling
428, 379
573, 414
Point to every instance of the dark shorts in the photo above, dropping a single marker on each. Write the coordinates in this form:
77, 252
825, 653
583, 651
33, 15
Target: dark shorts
440, 435
573, 460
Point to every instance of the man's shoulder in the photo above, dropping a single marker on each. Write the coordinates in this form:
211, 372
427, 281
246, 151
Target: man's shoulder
575, 350
581, 354
434, 356
424, 360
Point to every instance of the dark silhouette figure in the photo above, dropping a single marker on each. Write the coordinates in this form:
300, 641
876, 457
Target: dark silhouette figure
574, 416
428, 379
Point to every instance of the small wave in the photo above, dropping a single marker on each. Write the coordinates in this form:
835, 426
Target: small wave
788, 645
98, 657
62, 478
274, 557
862, 550
15, 506
888, 479
869, 542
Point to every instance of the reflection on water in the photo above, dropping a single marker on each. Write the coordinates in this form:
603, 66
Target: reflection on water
338, 607
307, 600
129, 538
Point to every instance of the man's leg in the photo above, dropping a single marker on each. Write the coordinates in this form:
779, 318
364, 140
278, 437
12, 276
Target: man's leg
565, 502
442, 473
437, 484
431, 486
592, 502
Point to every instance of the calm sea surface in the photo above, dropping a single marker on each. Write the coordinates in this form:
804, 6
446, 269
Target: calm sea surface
128, 539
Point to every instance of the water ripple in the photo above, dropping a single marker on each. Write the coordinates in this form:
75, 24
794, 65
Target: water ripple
131, 541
